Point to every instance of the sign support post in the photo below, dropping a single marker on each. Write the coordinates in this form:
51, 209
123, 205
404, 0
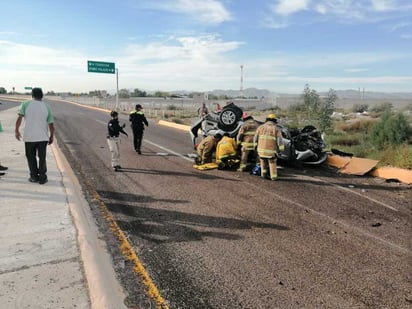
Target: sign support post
117, 88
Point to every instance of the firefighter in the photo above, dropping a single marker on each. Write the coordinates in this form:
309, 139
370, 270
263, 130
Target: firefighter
245, 140
206, 148
268, 139
226, 152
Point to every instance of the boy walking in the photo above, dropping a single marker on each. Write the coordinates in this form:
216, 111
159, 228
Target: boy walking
113, 140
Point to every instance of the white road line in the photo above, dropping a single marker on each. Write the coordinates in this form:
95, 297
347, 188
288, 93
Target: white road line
367, 197
168, 150
352, 191
341, 223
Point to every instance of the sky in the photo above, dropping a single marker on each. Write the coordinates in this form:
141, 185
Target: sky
203, 45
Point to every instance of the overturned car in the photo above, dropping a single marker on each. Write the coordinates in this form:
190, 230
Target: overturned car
306, 146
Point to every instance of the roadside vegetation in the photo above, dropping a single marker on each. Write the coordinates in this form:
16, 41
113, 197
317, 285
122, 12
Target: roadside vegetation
381, 132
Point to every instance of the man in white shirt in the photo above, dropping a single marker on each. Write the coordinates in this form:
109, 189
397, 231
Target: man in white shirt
38, 133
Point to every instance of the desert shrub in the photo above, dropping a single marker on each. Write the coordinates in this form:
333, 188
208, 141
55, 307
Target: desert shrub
400, 156
360, 108
382, 108
172, 107
296, 108
358, 126
343, 139
340, 126
390, 130
326, 109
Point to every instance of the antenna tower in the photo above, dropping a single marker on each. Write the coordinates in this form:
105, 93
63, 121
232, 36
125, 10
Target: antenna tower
241, 79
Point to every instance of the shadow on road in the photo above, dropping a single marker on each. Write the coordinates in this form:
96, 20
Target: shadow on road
165, 226
201, 175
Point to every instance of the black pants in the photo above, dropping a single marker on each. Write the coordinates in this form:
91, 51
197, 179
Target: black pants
137, 139
34, 150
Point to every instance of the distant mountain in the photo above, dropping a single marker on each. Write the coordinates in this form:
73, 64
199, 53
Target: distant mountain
342, 94
248, 93
349, 94
353, 94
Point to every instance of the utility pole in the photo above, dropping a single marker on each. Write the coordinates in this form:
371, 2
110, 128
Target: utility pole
241, 80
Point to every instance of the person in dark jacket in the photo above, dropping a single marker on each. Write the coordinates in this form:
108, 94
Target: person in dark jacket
113, 140
138, 121
3, 168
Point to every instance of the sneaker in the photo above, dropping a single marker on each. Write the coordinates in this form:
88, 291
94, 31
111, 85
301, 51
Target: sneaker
42, 181
2, 174
139, 152
115, 168
33, 179
3, 168
118, 167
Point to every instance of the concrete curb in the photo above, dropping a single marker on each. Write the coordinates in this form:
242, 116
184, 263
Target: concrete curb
174, 125
104, 289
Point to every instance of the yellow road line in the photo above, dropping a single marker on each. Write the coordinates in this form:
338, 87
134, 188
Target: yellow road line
128, 251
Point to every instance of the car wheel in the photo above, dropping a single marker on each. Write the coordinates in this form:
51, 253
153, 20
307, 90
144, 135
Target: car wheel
229, 117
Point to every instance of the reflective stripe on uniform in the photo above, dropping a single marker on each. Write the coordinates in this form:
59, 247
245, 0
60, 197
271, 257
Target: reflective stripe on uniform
267, 137
251, 133
248, 145
266, 153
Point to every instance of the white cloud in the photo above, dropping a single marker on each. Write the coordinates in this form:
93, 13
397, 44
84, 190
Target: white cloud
206, 11
272, 22
287, 7
356, 70
182, 48
30, 55
344, 10
399, 26
382, 5
191, 63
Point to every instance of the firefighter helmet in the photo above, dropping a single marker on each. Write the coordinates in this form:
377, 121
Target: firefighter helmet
271, 117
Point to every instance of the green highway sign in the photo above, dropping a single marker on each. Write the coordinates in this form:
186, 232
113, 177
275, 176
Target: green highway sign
100, 67
28, 88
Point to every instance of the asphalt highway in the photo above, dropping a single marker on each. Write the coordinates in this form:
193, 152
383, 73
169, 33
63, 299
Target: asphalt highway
225, 239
